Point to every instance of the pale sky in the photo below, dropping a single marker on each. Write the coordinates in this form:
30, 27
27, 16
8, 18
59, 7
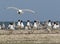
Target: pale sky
45, 10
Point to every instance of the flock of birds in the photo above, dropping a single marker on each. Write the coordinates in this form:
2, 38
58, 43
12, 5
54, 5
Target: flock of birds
36, 25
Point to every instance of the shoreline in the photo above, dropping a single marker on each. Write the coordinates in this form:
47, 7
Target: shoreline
28, 37
16, 32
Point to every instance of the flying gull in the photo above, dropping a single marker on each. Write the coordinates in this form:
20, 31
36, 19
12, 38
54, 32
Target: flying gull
21, 11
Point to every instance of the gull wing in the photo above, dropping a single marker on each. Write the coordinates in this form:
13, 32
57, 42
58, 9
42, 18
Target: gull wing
28, 10
13, 8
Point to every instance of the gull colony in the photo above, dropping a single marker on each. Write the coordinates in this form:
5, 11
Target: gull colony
29, 26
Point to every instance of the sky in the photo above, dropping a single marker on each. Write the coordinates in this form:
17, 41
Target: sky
45, 10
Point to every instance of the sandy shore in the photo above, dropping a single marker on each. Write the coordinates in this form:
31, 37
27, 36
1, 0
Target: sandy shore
29, 37
42, 31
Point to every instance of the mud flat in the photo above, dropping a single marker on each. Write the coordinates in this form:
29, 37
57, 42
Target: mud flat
28, 38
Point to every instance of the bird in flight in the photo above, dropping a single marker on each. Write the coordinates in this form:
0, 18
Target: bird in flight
21, 11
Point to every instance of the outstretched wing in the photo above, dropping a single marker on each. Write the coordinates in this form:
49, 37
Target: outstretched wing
28, 10
13, 8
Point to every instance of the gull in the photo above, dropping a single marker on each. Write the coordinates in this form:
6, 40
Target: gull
56, 25
22, 25
21, 11
35, 24
11, 26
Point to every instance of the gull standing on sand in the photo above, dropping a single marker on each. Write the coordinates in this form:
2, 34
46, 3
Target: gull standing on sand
49, 26
56, 25
3, 26
38, 24
49, 23
35, 25
11, 26
18, 23
28, 24
22, 25
21, 11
